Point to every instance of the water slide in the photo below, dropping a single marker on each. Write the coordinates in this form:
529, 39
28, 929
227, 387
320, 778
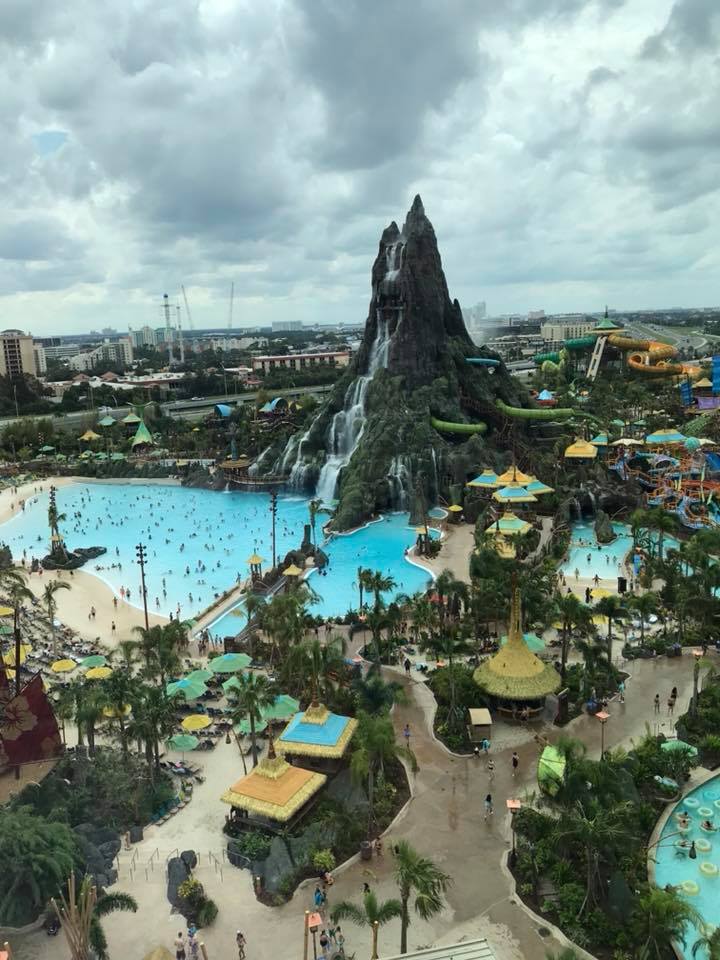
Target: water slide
648, 356
579, 343
546, 413
446, 426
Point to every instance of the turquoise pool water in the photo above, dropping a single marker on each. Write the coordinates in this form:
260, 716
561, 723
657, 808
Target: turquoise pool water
673, 866
186, 530
379, 545
605, 560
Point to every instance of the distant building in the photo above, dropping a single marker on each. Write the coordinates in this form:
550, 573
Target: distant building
300, 361
40, 359
566, 326
60, 351
286, 326
144, 337
16, 354
118, 351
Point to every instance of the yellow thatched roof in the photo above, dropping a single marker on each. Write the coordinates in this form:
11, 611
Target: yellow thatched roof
513, 475
317, 732
514, 672
292, 571
580, 450
274, 789
255, 559
702, 383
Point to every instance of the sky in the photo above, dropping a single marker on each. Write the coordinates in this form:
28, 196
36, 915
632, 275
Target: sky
567, 153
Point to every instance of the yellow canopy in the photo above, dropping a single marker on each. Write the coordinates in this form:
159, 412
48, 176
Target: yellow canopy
9, 657
90, 435
255, 560
513, 475
112, 713
196, 721
98, 673
6, 611
702, 383
275, 789
292, 571
580, 450
63, 666
455, 508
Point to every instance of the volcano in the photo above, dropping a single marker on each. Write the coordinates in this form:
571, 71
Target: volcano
374, 444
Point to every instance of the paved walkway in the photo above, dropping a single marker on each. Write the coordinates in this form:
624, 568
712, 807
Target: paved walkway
444, 820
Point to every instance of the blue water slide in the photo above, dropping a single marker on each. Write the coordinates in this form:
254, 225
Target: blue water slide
483, 361
713, 462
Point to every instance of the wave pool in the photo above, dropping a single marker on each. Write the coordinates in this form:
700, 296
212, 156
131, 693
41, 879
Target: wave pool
198, 542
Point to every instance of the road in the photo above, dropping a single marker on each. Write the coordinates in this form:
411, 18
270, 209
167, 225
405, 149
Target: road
678, 337
181, 409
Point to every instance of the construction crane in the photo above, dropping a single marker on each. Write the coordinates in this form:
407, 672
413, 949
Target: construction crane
232, 298
168, 329
180, 336
187, 309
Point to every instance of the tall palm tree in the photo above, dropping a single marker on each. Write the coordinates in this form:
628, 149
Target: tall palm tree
374, 746
449, 643
313, 509
664, 523
371, 912
107, 903
49, 591
573, 614
254, 691
374, 696
153, 719
315, 664
13, 586
613, 608
644, 604
119, 691
418, 877
638, 522
708, 942
661, 917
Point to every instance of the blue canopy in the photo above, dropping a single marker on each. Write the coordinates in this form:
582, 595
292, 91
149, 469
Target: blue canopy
223, 410
545, 395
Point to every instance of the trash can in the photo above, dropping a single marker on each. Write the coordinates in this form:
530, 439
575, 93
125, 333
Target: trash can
365, 850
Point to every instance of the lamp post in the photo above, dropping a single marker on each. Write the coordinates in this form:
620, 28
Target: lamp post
141, 559
513, 806
603, 717
273, 512
696, 677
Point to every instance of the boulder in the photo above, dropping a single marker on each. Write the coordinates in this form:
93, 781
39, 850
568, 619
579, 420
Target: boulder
189, 858
110, 849
136, 834
603, 528
177, 873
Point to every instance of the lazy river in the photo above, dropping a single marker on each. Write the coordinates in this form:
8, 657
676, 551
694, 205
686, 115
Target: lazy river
198, 542
589, 557
698, 880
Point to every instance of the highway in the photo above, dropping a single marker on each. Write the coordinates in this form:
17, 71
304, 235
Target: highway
179, 409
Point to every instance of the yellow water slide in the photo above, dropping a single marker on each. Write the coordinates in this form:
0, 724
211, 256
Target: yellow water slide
648, 356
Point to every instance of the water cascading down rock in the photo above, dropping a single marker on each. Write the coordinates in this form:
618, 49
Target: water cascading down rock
372, 444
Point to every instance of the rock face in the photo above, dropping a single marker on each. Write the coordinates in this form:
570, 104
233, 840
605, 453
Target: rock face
603, 528
373, 445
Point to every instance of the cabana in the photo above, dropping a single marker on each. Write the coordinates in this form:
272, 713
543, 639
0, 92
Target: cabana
514, 494
487, 480
546, 399
508, 525
514, 677
513, 475
580, 450
601, 440
274, 407
537, 488
222, 410
665, 436
316, 734
275, 790
143, 437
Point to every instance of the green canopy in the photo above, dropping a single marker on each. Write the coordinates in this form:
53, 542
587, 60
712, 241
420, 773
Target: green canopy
143, 436
284, 707
229, 663
183, 742
86, 455
551, 770
533, 641
199, 675
101, 455
673, 746
96, 660
5, 630
118, 456
243, 727
190, 689
106, 422
47, 449
232, 684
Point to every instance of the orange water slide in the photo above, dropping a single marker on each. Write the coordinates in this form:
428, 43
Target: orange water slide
648, 356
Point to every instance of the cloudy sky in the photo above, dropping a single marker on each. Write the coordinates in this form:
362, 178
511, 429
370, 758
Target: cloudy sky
567, 152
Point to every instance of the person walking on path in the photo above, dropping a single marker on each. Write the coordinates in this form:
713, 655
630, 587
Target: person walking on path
488, 806
671, 705
407, 666
621, 691
491, 769
240, 941
656, 703
406, 734
180, 946
515, 763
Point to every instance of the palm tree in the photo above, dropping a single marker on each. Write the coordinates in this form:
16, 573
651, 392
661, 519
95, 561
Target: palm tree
13, 585
663, 522
661, 917
644, 604
80, 915
374, 696
107, 903
612, 608
417, 876
450, 643
313, 509
638, 522
374, 746
89, 712
49, 591
371, 914
153, 719
572, 614
254, 691
709, 941
314, 664
119, 690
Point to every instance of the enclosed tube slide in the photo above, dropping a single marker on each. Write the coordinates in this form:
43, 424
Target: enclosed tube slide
648, 357
547, 413
445, 426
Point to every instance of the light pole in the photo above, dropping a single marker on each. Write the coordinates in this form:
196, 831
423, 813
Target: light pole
696, 677
141, 559
513, 806
603, 717
273, 512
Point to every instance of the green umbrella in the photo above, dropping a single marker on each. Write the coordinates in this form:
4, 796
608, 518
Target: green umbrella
200, 675
673, 746
47, 448
229, 663
284, 707
232, 684
5, 630
190, 689
96, 660
243, 727
183, 742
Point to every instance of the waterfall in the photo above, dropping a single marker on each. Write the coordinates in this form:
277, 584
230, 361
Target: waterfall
399, 480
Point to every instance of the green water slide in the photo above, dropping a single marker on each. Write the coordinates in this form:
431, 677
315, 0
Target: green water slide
445, 426
547, 413
579, 343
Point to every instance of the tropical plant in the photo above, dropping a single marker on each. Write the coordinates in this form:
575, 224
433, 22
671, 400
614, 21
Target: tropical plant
374, 746
661, 917
611, 607
106, 903
644, 604
709, 943
153, 719
375, 696
420, 878
315, 665
370, 913
252, 694
49, 591
573, 615
663, 522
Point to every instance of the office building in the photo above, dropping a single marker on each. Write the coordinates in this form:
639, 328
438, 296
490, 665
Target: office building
16, 354
566, 326
144, 337
286, 326
40, 359
300, 361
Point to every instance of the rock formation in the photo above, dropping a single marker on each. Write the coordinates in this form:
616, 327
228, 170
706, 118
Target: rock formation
373, 442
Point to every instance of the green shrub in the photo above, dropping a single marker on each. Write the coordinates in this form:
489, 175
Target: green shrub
206, 913
192, 892
323, 860
253, 844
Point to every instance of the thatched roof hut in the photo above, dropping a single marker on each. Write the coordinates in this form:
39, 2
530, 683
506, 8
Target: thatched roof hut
514, 672
316, 732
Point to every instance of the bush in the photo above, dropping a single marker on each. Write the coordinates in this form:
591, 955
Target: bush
206, 913
323, 860
253, 844
192, 892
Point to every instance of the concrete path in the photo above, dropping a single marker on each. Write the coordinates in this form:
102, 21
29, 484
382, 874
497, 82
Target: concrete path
444, 820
